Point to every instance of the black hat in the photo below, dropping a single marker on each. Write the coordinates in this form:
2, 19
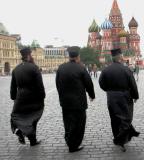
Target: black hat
73, 51
25, 51
116, 52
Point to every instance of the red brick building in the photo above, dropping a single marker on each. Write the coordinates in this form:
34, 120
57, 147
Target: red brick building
112, 34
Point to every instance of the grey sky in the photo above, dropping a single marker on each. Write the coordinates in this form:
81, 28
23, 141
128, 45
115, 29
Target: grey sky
63, 22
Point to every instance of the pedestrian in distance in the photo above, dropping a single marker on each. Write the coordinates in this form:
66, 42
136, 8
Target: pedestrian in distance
27, 91
72, 82
119, 83
90, 69
136, 71
95, 70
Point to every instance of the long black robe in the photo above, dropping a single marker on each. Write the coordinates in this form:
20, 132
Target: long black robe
28, 93
119, 83
72, 82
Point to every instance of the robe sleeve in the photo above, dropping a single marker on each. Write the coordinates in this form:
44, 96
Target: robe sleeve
88, 84
102, 81
13, 87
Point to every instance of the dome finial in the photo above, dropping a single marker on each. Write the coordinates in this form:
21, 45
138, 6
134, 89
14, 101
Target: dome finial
133, 23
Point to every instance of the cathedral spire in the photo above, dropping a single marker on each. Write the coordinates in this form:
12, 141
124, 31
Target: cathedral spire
115, 5
115, 9
115, 16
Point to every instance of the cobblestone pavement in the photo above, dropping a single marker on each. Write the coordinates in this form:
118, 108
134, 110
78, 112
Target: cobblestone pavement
98, 137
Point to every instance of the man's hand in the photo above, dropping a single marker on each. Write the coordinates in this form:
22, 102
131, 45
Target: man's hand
135, 100
91, 99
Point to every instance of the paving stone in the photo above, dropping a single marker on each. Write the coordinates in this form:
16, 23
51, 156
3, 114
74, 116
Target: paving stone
98, 136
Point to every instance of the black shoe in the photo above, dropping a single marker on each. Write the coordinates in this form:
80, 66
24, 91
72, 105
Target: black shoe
122, 147
136, 134
71, 150
21, 138
35, 143
133, 134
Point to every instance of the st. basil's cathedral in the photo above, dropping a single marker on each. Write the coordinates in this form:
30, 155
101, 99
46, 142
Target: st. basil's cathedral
114, 34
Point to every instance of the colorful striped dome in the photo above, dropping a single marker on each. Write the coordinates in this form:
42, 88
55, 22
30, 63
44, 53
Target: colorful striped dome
106, 24
94, 27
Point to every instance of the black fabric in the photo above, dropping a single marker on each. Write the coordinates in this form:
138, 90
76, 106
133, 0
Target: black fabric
73, 51
119, 83
72, 82
28, 93
27, 84
120, 110
74, 124
116, 52
25, 51
118, 77
27, 123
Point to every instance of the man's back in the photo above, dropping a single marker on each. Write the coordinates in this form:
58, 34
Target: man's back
118, 77
27, 79
72, 79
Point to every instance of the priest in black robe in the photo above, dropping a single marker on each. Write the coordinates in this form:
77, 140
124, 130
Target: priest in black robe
118, 82
28, 93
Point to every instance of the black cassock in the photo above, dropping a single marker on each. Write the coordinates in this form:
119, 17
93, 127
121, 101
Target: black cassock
118, 82
72, 81
28, 93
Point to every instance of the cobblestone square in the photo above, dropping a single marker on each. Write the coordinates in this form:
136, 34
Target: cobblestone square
98, 137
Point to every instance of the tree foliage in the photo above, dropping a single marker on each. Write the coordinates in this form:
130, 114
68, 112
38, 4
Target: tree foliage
89, 56
129, 53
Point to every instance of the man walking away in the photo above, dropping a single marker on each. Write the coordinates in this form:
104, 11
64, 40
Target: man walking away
72, 82
118, 82
28, 93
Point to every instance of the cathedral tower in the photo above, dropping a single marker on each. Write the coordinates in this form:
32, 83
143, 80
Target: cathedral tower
115, 17
107, 36
134, 38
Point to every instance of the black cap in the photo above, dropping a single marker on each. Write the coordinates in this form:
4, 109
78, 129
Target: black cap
25, 51
116, 52
73, 51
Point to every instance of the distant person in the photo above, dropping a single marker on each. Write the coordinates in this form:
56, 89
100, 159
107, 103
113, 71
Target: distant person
136, 71
90, 69
72, 82
118, 82
27, 91
95, 70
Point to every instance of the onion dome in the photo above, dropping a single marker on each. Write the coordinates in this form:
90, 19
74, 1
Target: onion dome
3, 30
123, 33
94, 27
133, 23
106, 24
35, 44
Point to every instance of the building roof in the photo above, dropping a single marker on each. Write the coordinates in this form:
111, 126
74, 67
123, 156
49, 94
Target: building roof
115, 8
94, 27
123, 33
133, 23
3, 30
106, 24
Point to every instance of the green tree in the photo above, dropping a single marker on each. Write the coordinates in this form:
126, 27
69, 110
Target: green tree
89, 56
108, 58
129, 53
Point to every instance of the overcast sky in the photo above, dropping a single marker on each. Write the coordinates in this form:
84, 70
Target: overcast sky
63, 22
